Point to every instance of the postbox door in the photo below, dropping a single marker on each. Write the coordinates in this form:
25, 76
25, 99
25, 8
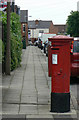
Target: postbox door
60, 72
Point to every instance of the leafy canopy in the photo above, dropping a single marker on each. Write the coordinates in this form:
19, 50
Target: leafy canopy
73, 24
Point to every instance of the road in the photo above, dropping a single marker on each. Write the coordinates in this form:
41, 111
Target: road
74, 86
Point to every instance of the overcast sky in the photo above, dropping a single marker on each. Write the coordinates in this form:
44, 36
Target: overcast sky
55, 10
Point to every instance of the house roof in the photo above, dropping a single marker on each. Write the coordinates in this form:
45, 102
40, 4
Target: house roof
24, 16
39, 24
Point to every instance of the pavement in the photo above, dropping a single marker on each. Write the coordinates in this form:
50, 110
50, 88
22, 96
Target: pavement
26, 92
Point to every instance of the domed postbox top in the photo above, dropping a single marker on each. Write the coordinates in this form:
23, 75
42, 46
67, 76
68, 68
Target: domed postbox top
60, 37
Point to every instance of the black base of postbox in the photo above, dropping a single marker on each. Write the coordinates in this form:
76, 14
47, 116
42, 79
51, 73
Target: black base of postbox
60, 102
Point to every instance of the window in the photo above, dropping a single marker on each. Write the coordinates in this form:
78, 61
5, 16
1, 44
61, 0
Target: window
29, 32
76, 46
23, 27
41, 31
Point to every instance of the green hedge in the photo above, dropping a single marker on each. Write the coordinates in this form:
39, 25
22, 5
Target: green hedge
15, 39
0, 50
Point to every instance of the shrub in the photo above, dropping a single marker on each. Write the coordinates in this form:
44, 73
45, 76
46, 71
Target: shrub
0, 50
15, 39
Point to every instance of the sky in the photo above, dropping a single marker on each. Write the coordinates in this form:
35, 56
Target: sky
55, 10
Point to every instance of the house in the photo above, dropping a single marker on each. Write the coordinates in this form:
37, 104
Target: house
24, 25
39, 26
60, 28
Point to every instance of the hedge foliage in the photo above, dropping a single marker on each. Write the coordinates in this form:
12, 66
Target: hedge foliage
15, 39
0, 50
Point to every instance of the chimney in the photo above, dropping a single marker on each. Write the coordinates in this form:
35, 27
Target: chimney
36, 22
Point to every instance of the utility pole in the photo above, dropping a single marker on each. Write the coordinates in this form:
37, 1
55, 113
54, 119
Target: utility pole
7, 65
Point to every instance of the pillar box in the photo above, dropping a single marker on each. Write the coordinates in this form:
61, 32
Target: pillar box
60, 80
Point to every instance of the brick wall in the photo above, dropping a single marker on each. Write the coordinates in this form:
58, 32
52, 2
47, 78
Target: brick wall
60, 28
53, 29
26, 34
56, 29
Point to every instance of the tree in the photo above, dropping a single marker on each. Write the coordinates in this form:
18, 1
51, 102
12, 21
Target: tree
73, 24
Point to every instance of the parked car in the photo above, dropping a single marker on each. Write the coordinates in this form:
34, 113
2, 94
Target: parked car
36, 43
47, 49
45, 36
44, 47
75, 58
30, 42
40, 43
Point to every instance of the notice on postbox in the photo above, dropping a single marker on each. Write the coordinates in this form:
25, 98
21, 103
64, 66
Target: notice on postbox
54, 59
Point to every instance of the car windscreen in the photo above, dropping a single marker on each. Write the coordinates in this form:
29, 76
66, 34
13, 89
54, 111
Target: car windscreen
76, 47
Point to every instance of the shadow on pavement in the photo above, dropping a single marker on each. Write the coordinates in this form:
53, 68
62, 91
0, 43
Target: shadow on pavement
74, 80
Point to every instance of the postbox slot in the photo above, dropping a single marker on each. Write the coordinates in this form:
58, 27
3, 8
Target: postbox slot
55, 48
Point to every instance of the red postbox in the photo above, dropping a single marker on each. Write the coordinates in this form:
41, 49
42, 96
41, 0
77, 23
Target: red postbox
60, 80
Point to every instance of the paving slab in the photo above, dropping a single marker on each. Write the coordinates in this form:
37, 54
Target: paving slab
43, 101
29, 99
13, 100
28, 109
12, 96
10, 108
